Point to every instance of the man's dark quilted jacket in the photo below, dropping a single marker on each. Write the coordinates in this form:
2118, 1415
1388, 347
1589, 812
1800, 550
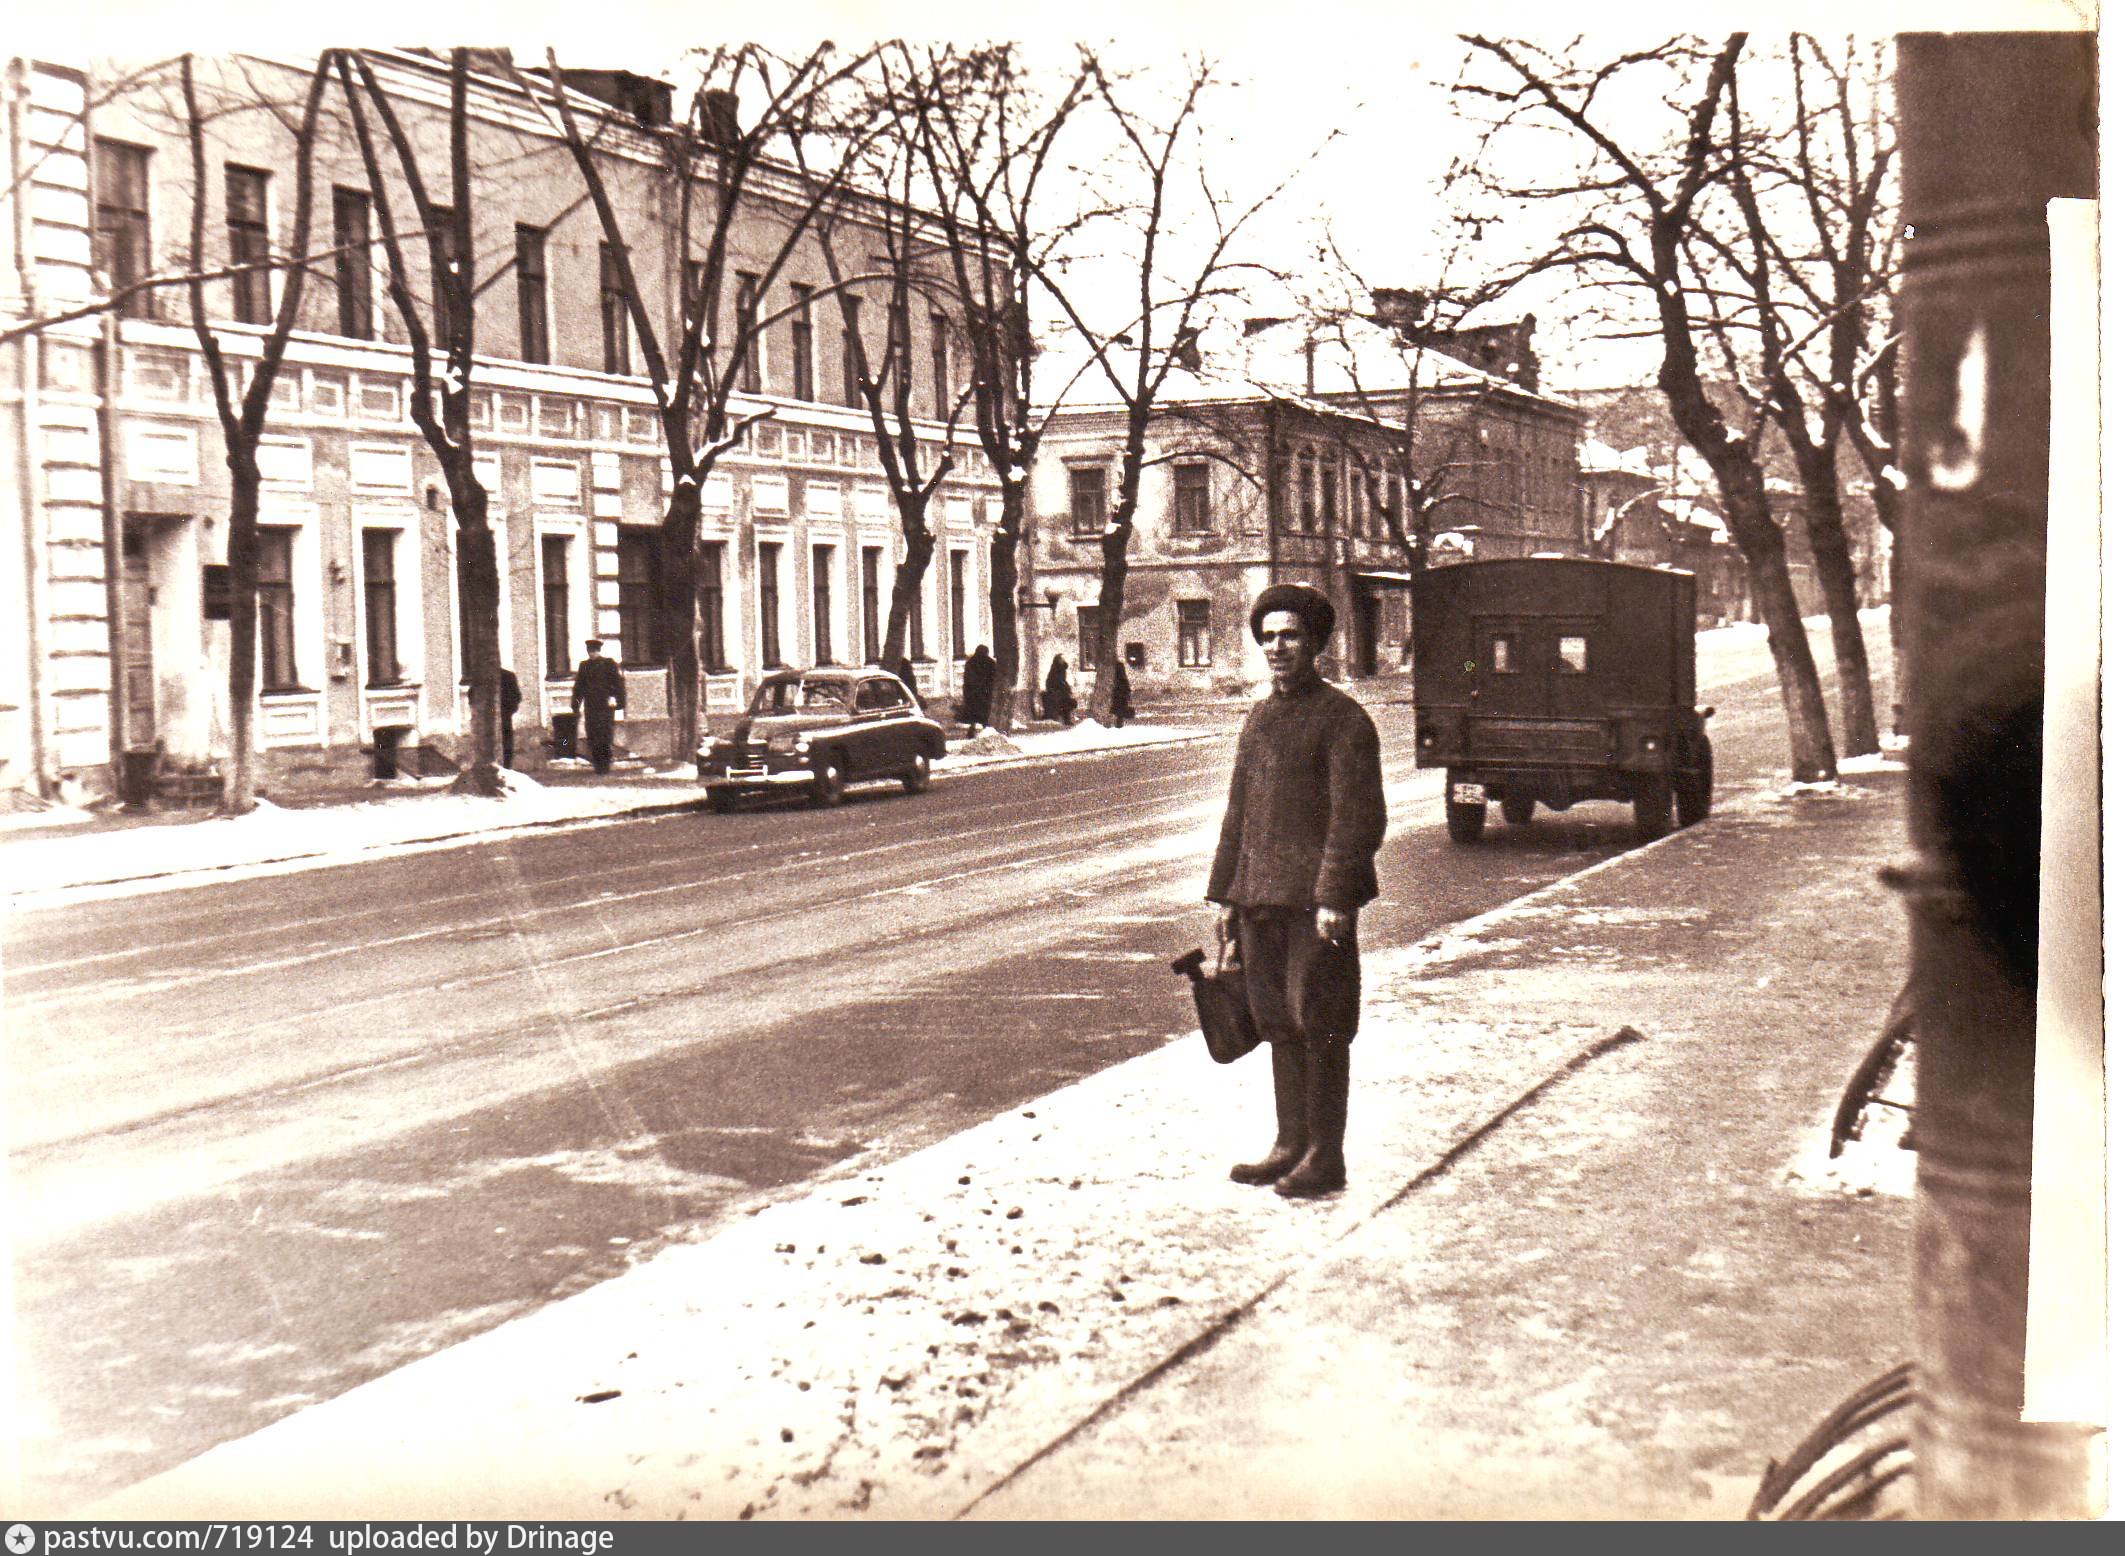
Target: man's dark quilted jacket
1307, 811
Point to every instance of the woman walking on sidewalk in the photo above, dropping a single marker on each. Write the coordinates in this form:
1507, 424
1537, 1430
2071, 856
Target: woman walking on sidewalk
1306, 814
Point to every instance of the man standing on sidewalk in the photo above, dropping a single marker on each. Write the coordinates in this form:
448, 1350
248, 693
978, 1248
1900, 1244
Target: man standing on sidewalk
1306, 814
598, 693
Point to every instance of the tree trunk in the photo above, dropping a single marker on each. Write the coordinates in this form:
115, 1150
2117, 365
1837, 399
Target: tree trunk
907, 582
479, 606
239, 780
1832, 553
1003, 605
1807, 719
678, 600
1113, 583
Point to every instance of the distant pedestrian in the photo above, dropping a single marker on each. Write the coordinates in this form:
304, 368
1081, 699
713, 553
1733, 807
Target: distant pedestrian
512, 698
599, 693
906, 671
1306, 814
1057, 700
977, 688
1124, 708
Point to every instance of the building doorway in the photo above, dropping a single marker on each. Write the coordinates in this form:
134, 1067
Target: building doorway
136, 643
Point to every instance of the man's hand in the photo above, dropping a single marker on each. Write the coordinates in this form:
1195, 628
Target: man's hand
1228, 923
1334, 923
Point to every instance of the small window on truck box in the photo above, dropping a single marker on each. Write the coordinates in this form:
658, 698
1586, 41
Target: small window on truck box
1504, 653
1571, 654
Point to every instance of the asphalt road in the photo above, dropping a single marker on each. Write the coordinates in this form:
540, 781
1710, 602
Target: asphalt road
269, 1139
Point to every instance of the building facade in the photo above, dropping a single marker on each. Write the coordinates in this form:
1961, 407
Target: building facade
1279, 464
117, 492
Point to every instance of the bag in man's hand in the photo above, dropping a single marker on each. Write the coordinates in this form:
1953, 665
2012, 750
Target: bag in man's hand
1220, 1004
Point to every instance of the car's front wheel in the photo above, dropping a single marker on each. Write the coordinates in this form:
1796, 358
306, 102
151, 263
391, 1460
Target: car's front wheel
829, 781
917, 776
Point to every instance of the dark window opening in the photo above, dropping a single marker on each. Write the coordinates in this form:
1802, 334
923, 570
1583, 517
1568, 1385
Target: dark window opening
276, 610
1191, 499
532, 343
122, 252
1194, 646
380, 604
872, 556
823, 605
350, 263
612, 311
712, 637
748, 341
245, 189
770, 605
641, 621
959, 605
800, 334
1088, 499
553, 602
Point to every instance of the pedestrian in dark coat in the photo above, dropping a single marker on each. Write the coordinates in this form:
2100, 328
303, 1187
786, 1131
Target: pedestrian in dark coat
1306, 814
1057, 700
512, 698
905, 670
1124, 708
977, 688
598, 694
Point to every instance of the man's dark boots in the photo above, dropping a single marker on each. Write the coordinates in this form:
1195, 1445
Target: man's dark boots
1287, 1069
1320, 1170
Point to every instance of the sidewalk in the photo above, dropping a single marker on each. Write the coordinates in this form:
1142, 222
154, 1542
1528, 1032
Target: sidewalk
1589, 1261
113, 854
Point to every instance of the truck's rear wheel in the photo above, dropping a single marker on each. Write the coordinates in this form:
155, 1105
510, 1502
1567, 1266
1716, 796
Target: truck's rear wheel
1693, 790
1464, 818
1652, 802
1517, 809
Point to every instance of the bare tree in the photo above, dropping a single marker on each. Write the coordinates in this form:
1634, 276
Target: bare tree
442, 404
731, 172
242, 425
906, 271
1165, 196
1633, 213
988, 134
1800, 283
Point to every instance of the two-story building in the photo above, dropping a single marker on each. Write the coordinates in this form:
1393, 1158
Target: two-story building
1280, 456
116, 496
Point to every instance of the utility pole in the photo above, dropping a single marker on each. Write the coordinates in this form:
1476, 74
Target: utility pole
1992, 126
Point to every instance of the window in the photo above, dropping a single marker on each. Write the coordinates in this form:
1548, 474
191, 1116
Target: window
1309, 520
276, 610
770, 604
1088, 646
748, 341
918, 648
445, 281
350, 263
897, 345
959, 605
1194, 634
553, 602
800, 339
822, 605
532, 344
245, 189
380, 604
1571, 654
712, 644
941, 363
612, 310
1191, 499
1088, 499
871, 556
641, 623
122, 252
1331, 481
1394, 505
851, 351
1504, 654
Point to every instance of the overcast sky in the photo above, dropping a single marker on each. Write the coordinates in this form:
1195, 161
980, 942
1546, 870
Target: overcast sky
1360, 76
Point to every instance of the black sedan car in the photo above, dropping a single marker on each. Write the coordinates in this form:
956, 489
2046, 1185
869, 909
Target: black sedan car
818, 731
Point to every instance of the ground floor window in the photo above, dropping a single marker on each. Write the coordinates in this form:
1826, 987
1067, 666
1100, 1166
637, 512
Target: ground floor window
1194, 634
1089, 653
822, 605
771, 605
959, 605
276, 611
553, 603
871, 560
641, 622
713, 659
380, 604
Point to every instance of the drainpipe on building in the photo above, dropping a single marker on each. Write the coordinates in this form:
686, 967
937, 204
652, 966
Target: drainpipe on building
114, 607
31, 369
1991, 126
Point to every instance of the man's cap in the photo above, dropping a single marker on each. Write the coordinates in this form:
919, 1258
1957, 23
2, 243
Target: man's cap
593, 642
1312, 607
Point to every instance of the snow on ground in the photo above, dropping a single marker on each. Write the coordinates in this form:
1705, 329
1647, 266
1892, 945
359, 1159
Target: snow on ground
1082, 736
271, 835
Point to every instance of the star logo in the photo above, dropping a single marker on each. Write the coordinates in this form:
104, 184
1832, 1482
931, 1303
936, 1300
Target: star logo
21, 1539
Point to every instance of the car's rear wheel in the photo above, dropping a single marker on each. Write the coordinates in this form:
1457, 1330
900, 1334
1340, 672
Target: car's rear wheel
1652, 802
722, 801
829, 781
917, 777
1517, 809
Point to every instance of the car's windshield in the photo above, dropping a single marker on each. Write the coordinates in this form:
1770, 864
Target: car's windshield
808, 695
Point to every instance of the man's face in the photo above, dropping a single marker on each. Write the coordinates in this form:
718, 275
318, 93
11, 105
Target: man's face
1288, 646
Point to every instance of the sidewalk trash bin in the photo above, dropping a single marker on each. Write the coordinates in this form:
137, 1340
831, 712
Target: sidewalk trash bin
564, 734
136, 779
